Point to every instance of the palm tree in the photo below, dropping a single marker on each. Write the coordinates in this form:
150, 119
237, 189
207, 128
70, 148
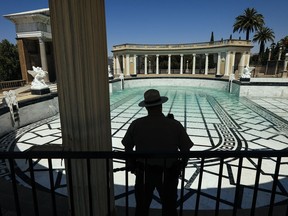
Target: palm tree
262, 36
250, 21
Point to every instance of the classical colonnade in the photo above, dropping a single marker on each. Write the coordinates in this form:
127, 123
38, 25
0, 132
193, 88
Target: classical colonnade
231, 55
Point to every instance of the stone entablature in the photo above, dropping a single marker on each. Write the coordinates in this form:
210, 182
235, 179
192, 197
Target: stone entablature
182, 48
32, 24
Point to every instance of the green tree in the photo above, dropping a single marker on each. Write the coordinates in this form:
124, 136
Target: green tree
249, 21
9, 61
262, 36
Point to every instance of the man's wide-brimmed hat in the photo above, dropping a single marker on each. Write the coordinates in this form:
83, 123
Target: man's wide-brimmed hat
152, 98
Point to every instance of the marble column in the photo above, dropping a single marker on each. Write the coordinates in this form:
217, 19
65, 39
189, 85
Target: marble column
194, 64
219, 63
169, 64
157, 64
135, 64
118, 68
127, 64
124, 64
83, 93
241, 63
145, 64
206, 63
233, 61
227, 64
181, 64
43, 57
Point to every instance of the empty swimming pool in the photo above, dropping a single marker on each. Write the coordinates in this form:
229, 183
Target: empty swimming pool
214, 120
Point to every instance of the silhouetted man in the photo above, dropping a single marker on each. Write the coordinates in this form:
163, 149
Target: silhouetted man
156, 133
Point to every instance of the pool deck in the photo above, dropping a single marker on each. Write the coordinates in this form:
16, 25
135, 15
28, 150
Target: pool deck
251, 123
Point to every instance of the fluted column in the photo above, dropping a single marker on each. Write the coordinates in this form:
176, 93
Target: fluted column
194, 64
219, 63
43, 57
181, 64
135, 64
80, 50
145, 64
227, 64
127, 64
169, 64
157, 64
206, 63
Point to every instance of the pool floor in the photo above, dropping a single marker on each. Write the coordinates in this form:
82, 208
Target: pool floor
214, 120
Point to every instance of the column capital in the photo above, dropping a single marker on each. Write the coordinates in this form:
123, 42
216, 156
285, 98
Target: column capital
181, 55
169, 55
157, 55
146, 56
194, 54
206, 54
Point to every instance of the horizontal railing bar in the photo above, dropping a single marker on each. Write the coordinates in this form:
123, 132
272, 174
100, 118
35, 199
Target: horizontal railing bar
133, 155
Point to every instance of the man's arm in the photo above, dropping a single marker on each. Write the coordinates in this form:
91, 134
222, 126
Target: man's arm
129, 144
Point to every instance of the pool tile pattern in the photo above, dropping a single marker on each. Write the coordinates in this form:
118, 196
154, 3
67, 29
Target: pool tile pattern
214, 120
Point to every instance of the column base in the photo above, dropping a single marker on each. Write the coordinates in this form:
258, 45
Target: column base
245, 79
40, 91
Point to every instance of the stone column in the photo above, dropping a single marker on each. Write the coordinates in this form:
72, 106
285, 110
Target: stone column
181, 64
206, 63
43, 57
227, 64
157, 64
247, 58
118, 68
145, 64
233, 61
22, 52
127, 72
194, 63
169, 64
124, 64
114, 64
80, 48
135, 64
219, 63
241, 64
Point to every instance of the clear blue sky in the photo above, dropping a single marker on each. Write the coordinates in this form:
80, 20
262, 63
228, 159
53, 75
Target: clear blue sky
166, 21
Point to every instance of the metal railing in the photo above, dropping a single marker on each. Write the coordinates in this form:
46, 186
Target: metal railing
12, 84
203, 157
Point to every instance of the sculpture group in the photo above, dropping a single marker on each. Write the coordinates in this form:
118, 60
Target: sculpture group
39, 75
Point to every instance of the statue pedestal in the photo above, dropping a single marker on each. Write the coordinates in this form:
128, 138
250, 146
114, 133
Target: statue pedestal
40, 91
245, 79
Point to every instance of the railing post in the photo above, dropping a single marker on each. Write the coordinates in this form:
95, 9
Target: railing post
14, 186
275, 182
35, 200
237, 202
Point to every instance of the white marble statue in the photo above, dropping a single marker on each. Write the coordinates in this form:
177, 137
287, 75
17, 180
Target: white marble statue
11, 101
247, 72
39, 75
